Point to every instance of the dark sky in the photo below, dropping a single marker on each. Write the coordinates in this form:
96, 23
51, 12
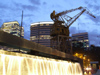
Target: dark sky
39, 10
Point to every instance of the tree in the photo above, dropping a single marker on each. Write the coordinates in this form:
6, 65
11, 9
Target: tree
78, 47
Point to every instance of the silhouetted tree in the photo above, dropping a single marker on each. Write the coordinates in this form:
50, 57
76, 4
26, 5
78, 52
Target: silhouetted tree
78, 47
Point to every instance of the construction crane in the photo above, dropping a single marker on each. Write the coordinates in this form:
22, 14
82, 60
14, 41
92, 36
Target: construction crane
60, 28
63, 18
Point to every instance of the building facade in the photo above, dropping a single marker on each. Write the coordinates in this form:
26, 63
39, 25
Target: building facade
81, 38
13, 28
40, 33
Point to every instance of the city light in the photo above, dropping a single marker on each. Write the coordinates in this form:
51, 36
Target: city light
88, 59
84, 58
76, 54
88, 69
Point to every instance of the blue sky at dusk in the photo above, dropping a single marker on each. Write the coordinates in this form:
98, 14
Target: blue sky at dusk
40, 10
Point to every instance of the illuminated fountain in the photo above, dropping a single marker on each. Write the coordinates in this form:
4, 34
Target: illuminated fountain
22, 64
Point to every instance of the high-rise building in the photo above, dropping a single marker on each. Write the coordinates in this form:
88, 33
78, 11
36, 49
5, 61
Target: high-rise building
40, 33
13, 28
80, 38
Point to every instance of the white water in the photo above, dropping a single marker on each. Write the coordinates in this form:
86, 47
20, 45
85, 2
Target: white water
35, 65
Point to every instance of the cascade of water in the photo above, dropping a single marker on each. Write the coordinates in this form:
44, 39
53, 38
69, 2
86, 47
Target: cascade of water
17, 65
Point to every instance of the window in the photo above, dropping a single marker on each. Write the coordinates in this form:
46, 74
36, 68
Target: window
94, 66
33, 38
44, 36
41, 24
86, 40
34, 26
80, 40
87, 45
47, 24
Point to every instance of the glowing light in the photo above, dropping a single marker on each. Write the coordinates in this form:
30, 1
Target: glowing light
88, 69
24, 64
85, 73
42, 23
76, 54
81, 57
88, 59
84, 58
89, 72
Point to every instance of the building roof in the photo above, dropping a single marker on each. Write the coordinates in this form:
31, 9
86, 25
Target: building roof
79, 34
11, 22
94, 62
46, 22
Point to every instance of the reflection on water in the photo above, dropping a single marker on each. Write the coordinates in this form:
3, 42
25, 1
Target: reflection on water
35, 65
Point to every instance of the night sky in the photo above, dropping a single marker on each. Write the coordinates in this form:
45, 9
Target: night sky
39, 10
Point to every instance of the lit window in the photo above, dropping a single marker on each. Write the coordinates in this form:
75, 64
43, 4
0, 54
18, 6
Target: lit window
33, 37
86, 40
47, 24
45, 37
41, 24
80, 40
94, 66
87, 45
34, 25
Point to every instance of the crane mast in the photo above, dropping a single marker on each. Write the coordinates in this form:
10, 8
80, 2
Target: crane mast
60, 30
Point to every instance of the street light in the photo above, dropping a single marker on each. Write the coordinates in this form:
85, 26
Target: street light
76, 54
88, 59
84, 58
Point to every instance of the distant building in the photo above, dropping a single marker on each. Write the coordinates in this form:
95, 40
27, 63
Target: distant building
40, 33
81, 38
12, 28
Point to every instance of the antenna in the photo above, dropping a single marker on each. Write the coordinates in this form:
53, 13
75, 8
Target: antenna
21, 24
21, 27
